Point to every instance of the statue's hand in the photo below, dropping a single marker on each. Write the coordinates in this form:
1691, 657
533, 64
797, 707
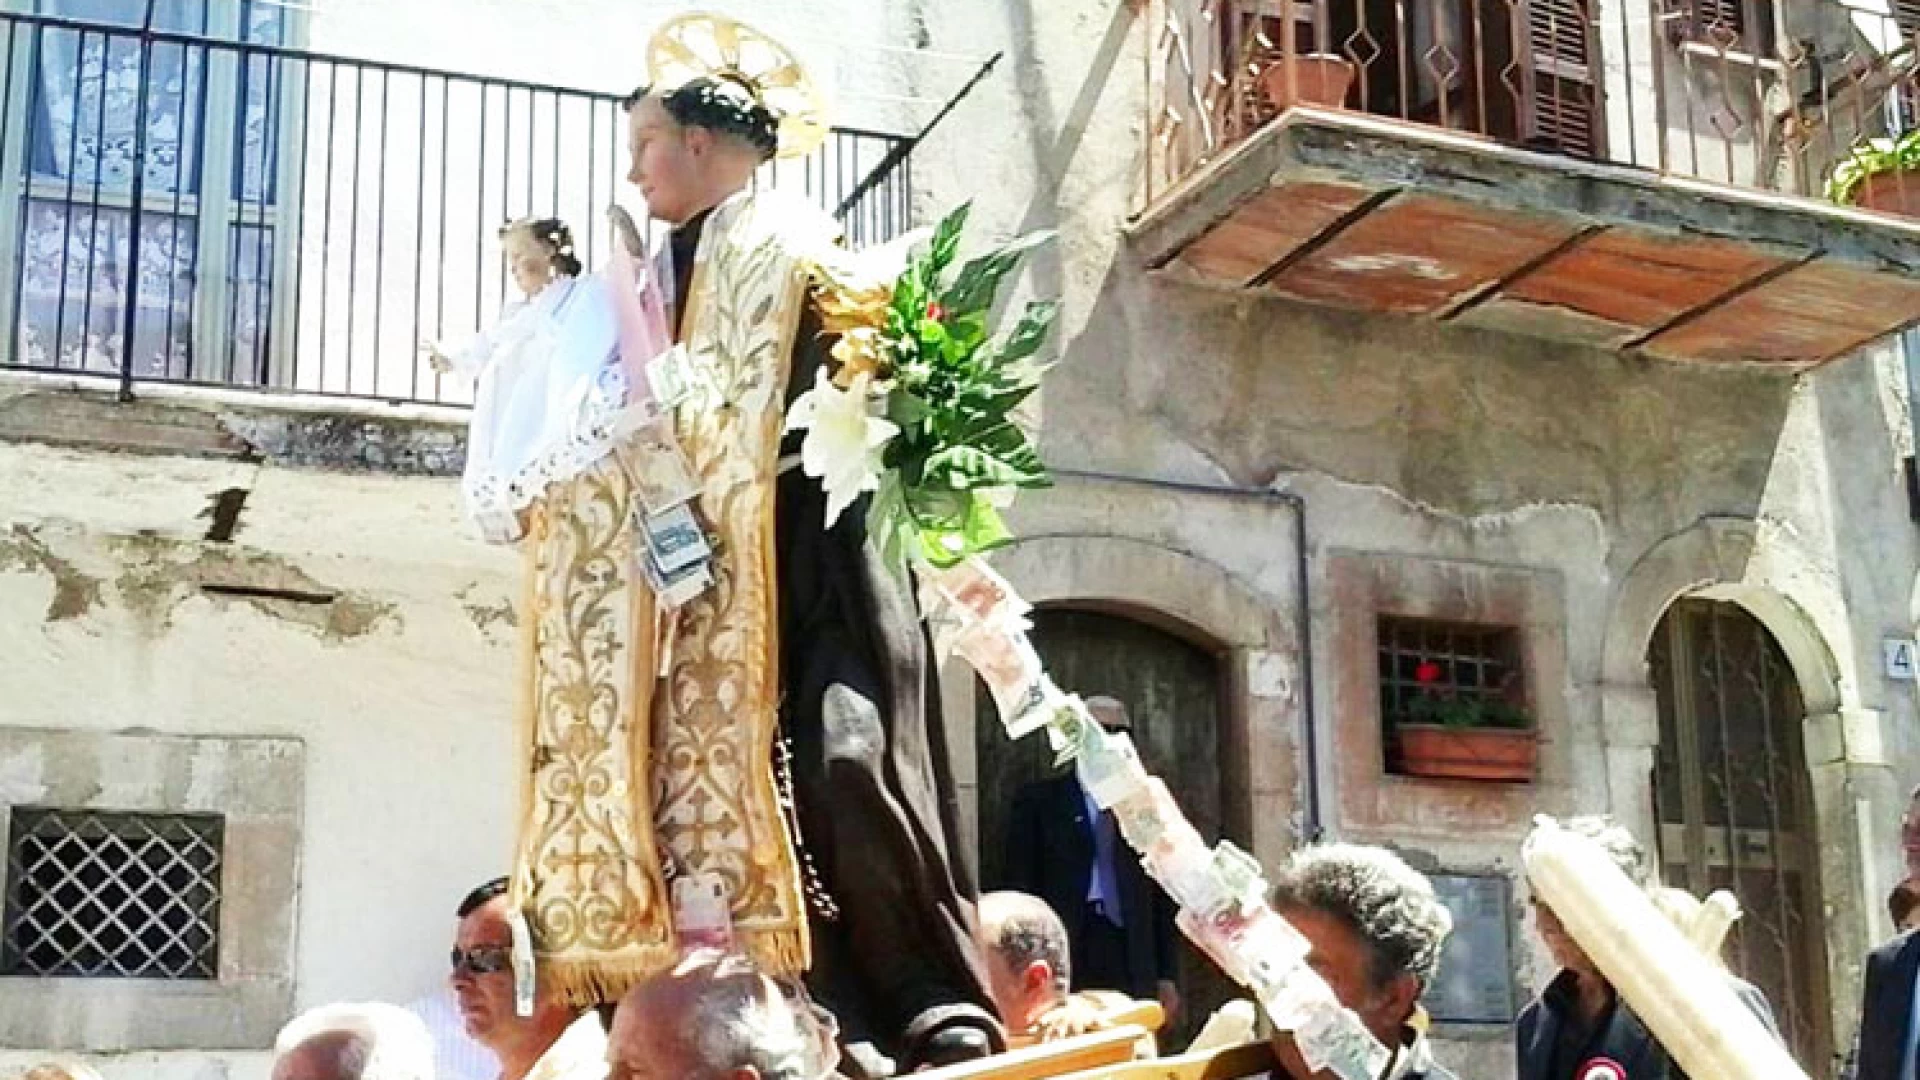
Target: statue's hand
437, 358
625, 229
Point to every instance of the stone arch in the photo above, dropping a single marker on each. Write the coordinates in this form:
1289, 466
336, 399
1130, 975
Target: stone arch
1201, 602
1192, 597
1722, 558
1711, 559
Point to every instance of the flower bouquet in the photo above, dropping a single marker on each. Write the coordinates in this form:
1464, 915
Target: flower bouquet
919, 405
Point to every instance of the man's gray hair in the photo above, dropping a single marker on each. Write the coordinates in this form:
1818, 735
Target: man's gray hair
740, 1018
1390, 905
1021, 929
1619, 844
365, 1041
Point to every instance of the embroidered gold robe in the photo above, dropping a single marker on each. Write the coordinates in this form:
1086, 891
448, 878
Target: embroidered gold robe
651, 734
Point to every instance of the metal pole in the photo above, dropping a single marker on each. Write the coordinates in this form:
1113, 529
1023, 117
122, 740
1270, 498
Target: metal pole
130, 316
901, 149
1910, 352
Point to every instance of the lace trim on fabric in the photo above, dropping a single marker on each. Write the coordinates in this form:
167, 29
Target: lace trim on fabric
595, 429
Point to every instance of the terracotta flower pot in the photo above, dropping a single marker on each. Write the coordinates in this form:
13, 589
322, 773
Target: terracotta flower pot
1896, 192
1506, 754
1320, 79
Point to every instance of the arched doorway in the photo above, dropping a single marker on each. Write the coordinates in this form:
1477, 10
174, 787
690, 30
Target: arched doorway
1171, 688
1734, 804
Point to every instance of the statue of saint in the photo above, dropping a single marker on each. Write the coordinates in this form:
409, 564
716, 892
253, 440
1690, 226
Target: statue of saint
743, 748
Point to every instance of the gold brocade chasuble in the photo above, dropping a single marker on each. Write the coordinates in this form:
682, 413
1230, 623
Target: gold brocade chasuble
650, 734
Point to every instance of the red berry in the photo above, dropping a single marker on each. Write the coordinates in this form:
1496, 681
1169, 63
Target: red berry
936, 312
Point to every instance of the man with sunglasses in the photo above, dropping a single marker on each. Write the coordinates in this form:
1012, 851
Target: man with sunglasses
556, 1042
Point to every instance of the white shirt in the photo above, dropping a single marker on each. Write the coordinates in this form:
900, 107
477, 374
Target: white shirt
579, 1054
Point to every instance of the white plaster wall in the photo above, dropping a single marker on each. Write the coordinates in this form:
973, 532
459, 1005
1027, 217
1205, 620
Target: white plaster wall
406, 714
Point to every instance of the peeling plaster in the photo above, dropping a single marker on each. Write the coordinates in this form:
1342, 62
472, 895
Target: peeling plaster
74, 593
159, 574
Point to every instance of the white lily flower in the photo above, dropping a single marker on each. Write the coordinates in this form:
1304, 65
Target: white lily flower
844, 441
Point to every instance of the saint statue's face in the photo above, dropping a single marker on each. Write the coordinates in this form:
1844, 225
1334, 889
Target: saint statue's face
666, 162
528, 261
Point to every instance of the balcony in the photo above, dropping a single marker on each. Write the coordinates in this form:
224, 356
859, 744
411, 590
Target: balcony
1640, 175
237, 212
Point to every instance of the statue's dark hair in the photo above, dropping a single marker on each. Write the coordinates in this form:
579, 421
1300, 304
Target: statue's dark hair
552, 234
726, 106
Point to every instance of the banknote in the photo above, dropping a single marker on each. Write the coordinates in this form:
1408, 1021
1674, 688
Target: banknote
675, 539
662, 476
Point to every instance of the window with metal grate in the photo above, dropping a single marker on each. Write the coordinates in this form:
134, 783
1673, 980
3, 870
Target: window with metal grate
1435, 671
93, 894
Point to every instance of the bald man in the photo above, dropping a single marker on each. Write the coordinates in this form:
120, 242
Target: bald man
1062, 848
354, 1042
716, 1017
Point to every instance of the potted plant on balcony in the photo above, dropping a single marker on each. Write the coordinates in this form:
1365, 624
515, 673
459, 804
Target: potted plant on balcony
1319, 79
1880, 174
1465, 736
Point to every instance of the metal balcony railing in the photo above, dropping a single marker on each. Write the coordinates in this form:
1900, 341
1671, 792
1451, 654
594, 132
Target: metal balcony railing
243, 214
1758, 94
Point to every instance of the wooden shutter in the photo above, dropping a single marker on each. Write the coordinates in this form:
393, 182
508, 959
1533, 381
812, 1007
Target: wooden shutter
1906, 13
1563, 111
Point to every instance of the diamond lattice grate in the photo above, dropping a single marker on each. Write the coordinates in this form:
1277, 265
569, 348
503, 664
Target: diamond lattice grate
94, 894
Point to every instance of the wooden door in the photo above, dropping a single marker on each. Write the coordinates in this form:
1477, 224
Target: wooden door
1171, 688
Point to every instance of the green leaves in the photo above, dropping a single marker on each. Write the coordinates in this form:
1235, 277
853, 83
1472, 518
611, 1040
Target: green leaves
1029, 333
1870, 158
979, 280
963, 468
946, 238
954, 388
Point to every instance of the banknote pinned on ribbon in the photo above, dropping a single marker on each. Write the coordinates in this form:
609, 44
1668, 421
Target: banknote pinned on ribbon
977, 594
1329, 1036
1110, 769
1005, 660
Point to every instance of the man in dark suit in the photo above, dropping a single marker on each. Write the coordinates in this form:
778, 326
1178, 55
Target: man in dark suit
1063, 849
1886, 1046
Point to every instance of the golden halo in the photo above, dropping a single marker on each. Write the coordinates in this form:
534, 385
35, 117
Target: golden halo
706, 45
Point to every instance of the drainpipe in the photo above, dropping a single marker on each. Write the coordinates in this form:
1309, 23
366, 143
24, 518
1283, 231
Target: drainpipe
1310, 824
1910, 352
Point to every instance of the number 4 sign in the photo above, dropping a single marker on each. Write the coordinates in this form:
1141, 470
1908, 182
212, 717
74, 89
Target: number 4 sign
1901, 659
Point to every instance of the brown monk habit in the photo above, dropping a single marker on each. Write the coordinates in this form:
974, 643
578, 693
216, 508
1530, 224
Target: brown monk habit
890, 910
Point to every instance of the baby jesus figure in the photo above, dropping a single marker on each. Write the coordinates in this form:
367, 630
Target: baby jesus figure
559, 378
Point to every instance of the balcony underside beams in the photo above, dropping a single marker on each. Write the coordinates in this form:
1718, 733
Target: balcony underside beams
1356, 212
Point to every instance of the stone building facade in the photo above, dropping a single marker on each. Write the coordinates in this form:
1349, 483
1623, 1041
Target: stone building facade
264, 606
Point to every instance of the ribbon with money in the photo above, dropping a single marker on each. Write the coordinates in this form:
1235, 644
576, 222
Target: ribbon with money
1220, 890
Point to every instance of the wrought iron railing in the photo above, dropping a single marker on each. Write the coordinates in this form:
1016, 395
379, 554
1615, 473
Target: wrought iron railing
183, 208
1760, 94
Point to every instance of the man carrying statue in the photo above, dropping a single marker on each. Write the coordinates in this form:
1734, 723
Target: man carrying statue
755, 762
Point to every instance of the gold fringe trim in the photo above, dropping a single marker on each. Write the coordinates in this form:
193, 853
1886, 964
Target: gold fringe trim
783, 953
583, 982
